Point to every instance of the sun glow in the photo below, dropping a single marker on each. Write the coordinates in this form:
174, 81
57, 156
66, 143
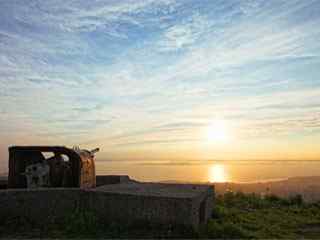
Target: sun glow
217, 131
217, 173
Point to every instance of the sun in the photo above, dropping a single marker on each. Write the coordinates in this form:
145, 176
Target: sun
217, 173
217, 131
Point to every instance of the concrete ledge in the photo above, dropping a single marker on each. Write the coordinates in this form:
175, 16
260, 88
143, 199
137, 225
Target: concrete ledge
112, 179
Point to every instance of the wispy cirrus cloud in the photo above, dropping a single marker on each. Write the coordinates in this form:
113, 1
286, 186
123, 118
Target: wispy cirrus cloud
151, 72
185, 34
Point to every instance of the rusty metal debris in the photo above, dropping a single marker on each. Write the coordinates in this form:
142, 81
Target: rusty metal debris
30, 168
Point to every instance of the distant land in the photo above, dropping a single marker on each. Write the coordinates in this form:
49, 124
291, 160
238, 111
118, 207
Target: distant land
308, 187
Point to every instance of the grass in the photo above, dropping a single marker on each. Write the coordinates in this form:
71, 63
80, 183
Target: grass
235, 215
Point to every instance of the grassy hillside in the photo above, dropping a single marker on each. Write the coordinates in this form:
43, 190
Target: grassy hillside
235, 215
248, 216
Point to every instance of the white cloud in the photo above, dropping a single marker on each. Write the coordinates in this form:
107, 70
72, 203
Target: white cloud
186, 33
82, 16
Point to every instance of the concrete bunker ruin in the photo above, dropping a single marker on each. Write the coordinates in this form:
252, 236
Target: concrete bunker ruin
115, 198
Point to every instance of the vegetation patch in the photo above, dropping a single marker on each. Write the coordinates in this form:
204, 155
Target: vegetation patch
238, 215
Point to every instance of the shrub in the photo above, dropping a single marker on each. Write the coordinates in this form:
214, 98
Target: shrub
218, 211
296, 200
272, 198
224, 230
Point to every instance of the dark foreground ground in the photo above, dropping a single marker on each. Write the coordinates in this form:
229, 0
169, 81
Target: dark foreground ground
235, 215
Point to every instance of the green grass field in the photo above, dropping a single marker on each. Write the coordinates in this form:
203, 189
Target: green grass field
235, 215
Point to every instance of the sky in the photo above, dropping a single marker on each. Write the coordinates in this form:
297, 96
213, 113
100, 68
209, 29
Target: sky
162, 81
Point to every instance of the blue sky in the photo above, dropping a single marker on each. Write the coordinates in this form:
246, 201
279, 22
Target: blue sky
146, 77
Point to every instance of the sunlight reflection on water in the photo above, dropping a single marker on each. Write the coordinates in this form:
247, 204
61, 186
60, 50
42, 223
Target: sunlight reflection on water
217, 173
250, 171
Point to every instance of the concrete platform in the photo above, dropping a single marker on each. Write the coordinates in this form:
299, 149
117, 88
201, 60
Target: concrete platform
155, 189
184, 204
173, 204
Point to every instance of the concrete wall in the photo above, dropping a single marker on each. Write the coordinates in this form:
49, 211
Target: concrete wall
202, 207
44, 206
123, 207
39, 206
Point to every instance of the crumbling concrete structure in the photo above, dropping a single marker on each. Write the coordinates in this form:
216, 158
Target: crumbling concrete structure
37, 192
175, 204
184, 204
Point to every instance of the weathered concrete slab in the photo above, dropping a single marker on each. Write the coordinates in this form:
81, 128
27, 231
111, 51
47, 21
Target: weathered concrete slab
155, 189
184, 204
175, 204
